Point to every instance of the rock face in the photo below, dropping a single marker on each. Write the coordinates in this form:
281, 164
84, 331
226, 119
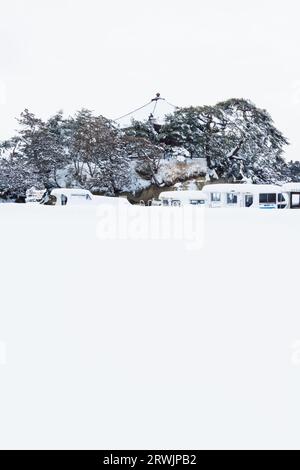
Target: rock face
171, 173
153, 191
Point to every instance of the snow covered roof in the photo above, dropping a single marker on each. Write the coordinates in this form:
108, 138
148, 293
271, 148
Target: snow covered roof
179, 195
242, 188
291, 187
69, 191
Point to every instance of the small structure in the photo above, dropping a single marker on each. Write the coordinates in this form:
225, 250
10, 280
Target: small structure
181, 198
75, 196
262, 196
293, 191
70, 196
34, 196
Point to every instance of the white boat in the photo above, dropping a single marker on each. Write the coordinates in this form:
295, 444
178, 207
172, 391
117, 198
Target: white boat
181, 198
75, 196
262, 196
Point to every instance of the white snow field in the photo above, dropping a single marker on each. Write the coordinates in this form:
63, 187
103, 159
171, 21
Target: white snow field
112, 340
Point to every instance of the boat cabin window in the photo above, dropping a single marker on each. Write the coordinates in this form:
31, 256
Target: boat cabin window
197, 202
232, 198
215, 197
82, 196
267, 198
248, 200
176, 202
281, 202
64, 200
295, 200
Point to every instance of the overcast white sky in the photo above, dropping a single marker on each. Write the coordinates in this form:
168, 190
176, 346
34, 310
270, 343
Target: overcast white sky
114, 55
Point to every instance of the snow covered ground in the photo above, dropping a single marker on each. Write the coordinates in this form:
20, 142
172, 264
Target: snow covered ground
113, 337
